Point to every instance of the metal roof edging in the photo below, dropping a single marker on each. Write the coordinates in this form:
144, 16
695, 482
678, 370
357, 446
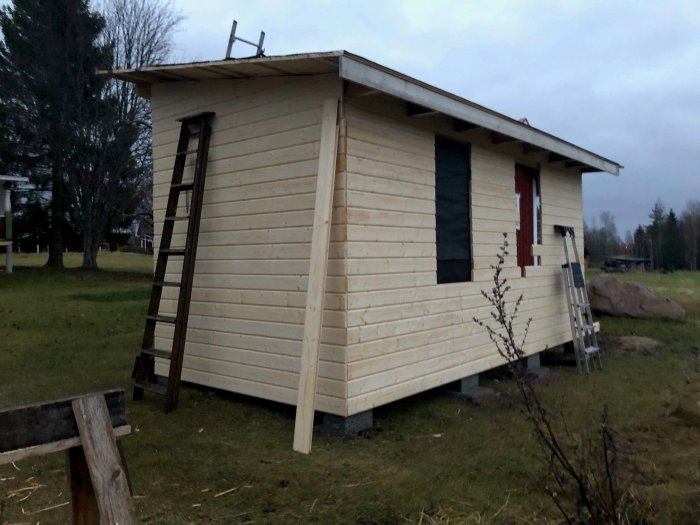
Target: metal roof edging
354, 70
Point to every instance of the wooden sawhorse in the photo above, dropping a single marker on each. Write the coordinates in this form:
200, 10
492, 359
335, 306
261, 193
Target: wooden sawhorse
86, 427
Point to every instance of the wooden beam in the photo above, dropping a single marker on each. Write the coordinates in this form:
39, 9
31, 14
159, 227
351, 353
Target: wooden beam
44, 423
555, 157
49, 448
318, 268
143, 90
462, 125
83, 501
414, 110
574, 164
499, 138
109, 481
358, 90
531, 148
590, 169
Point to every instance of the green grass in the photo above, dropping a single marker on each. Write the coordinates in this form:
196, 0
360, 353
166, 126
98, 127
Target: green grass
112, 261
64, 333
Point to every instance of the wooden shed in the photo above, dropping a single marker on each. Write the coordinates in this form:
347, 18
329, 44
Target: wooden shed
425, 184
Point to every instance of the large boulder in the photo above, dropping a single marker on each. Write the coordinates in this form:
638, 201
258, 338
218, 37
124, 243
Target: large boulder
613, 297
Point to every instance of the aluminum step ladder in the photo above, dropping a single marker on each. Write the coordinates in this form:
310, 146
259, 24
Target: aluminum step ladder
193, 128
586, 347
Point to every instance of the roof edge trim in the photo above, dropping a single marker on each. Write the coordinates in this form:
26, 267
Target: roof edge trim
355, 69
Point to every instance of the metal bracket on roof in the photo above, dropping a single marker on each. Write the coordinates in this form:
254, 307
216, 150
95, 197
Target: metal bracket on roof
259, 46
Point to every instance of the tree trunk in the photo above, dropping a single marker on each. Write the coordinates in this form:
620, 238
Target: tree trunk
91, 243
58, 221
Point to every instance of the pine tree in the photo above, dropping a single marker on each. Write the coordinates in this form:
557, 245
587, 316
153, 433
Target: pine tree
48, 57
655, 232
671, 243
641, 248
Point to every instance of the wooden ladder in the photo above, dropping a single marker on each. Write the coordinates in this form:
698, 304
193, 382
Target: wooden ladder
144, 366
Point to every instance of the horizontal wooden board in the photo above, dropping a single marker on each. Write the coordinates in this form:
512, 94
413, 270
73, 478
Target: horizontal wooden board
385, 315
50, 421
405, 332
246, 315
278, 393
273, 344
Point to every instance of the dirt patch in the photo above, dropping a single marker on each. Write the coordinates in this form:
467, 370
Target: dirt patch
687, 407
633, 344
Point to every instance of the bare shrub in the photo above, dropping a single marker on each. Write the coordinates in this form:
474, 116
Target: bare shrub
585, 476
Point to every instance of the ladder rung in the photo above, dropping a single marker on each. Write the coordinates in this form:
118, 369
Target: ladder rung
197, 119
183, 186
163, 284
163, 354
177, 218
587, 328
591, 350
162, 318
187, 152
156, 388
583, 305
175, 252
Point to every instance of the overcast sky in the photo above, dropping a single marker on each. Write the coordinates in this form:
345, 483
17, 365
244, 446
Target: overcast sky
619, 78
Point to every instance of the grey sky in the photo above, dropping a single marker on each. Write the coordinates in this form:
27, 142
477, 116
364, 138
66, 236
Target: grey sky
619, 78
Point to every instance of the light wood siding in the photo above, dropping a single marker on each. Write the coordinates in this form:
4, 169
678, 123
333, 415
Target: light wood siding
405, 333
247, 311
389, 330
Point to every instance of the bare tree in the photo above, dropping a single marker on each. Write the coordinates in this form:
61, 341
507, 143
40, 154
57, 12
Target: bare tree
48, 53
111, 182
586, 479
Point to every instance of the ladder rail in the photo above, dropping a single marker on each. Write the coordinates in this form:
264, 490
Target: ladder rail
580, 316
183, 306
570, 306
144, 365
586, 301
165, 240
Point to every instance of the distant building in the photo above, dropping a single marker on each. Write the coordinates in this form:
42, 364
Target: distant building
7, 184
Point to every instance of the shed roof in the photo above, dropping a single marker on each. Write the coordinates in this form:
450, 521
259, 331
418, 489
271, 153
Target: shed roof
423, 97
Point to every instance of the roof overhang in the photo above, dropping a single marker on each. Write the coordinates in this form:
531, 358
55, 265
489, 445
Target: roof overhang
373, 76
379, 79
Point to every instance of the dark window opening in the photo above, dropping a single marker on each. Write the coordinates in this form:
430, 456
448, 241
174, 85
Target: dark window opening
529, 205
452, 211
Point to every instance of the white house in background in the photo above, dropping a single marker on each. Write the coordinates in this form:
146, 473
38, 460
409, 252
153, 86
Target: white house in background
7, 183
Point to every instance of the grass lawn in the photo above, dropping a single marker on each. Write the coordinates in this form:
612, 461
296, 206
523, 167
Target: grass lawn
111, 261
64, 333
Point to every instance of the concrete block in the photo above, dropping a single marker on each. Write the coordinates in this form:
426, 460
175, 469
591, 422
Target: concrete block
468, 388
534, 369
347, 426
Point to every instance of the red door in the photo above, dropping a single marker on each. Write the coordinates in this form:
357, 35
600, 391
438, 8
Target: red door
524, 199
